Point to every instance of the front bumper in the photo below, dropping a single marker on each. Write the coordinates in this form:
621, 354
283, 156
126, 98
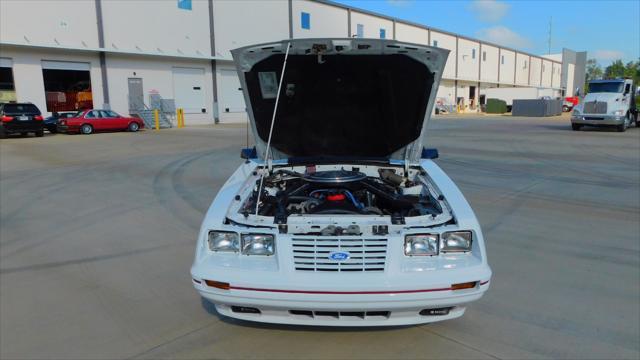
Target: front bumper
340, 299
597, 119
10, 128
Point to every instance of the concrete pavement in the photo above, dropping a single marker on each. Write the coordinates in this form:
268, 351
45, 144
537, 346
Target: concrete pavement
97, 235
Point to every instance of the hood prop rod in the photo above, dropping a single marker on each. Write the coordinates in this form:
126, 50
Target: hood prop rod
267, 151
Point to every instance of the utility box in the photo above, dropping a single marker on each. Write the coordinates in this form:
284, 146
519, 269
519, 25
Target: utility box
496, 106
536, 107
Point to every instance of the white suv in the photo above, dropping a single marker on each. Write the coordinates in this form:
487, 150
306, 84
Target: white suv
339, 216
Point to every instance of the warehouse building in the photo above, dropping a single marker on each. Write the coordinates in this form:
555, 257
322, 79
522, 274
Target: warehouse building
127, 55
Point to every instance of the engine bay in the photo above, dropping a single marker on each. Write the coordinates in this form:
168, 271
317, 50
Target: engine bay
390, 192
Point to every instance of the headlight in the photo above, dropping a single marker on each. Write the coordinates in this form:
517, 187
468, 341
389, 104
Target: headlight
421, 245
618, 112
258, 244
457, 241
224, 241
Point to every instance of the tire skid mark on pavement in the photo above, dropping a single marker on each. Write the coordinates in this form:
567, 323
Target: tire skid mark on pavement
90, 259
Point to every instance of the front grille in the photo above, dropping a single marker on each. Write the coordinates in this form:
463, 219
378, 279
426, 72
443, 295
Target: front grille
595, 107
312, 253
593, 118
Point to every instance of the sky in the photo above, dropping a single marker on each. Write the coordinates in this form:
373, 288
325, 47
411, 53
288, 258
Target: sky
607, 30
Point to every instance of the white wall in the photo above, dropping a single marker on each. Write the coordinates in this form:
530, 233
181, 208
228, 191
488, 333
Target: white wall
507, 67
372, 25
557, 69
326, 20
411, 34
27, 73
446, 92
522, 69
156, 75
547, 69
536, 68
68, 23
489, 67
157, 27
446, 42
467, 63
236, 23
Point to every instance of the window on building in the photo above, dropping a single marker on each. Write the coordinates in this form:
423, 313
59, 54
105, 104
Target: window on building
7, 87
383, 33
525, 64
473, 53
435, 43
184, 4
484, 56
360, 30
502, 60
305, 20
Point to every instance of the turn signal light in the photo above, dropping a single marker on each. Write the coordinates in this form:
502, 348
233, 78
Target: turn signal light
7, 118
218, 284
467, 285
38, 117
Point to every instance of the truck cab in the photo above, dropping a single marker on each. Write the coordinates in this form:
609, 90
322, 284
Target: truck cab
607, 103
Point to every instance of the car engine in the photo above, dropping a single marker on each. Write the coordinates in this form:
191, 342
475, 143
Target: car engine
287, 192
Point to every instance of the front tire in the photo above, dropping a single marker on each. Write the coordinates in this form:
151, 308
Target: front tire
40, 133
133, 127
86, 129
565, 108
575, 127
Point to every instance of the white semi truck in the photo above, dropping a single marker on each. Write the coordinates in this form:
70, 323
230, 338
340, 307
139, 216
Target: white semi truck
608, 103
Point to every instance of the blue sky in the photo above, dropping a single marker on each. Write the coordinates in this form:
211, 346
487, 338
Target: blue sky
607, 30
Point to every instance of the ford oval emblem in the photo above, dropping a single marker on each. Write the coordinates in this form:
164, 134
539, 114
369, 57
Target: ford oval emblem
339, 256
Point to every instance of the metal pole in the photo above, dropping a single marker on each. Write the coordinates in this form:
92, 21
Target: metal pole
267, 151
156, 117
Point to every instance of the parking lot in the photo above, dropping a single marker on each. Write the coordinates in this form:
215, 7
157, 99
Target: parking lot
97, 237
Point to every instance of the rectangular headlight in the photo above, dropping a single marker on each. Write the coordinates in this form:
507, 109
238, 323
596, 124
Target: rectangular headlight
421, 245
456, 241
224, 241
258, 244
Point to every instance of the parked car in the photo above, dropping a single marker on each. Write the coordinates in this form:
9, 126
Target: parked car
20, 118
89, 121
339, 216
51, 122
569, 103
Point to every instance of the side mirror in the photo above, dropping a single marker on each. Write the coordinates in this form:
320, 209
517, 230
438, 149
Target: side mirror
249, 153
430, 153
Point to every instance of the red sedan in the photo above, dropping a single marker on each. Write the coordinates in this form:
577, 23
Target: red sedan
89, 121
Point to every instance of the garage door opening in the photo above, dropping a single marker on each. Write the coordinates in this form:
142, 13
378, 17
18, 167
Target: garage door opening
67, 86
7, 87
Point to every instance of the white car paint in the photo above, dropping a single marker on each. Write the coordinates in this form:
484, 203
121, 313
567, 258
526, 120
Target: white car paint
394, 296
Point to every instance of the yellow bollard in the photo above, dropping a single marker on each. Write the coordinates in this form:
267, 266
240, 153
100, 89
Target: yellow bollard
181, 117
156, 116
178, 117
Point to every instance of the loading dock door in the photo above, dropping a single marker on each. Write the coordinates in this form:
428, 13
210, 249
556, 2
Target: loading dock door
67, 85
188, 89
230, 97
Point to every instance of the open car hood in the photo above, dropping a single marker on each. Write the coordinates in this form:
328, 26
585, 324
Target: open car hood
341, 98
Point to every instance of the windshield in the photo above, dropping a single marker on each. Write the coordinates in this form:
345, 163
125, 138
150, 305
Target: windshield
606, 87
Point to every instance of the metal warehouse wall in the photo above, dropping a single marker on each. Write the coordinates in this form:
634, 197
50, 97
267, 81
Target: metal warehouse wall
148, 39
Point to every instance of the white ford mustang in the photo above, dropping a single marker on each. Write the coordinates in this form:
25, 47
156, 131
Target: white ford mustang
339, 216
